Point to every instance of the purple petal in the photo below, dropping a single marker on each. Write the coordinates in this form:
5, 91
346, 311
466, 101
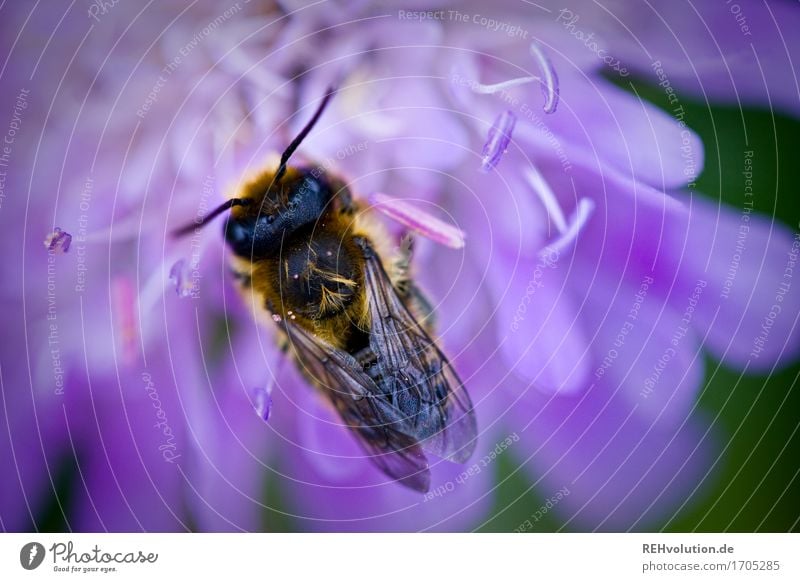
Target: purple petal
400, 121
498, 140
129, 468
645, 347
30, 450
463, 70
739, 53
58, 241
514, 220
621, 471
225, 457
742, 256
749, 311
540, 334
124, 299
418, 220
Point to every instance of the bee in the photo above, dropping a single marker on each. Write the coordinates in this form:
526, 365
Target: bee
350, 317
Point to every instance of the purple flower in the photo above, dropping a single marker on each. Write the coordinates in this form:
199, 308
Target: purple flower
592, 282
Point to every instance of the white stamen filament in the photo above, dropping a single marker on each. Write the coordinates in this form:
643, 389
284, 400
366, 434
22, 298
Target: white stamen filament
568, 229
577, 221
548, 81
550, 84
547, 197
502, 86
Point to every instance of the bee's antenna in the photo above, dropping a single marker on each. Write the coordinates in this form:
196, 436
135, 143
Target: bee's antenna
287, 153
227, 205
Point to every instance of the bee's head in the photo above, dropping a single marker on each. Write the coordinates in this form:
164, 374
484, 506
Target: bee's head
276, 204
269, 212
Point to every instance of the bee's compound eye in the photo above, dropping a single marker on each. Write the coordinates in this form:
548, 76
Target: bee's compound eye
239, 235
251, 237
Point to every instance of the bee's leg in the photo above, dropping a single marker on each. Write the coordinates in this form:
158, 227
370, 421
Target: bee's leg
281, 338
422, 308
409, 292
401, 267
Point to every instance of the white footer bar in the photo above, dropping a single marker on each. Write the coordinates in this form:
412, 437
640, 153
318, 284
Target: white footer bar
401, 557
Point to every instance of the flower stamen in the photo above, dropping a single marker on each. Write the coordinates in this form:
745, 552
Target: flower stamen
567, 229
418, 220
503, 85
179, 277
548, 81
498, 140
262, 401
58, 241
547, 198
577, 221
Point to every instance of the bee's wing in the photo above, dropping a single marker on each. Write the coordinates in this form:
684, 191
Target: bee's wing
381, 429
425, 388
